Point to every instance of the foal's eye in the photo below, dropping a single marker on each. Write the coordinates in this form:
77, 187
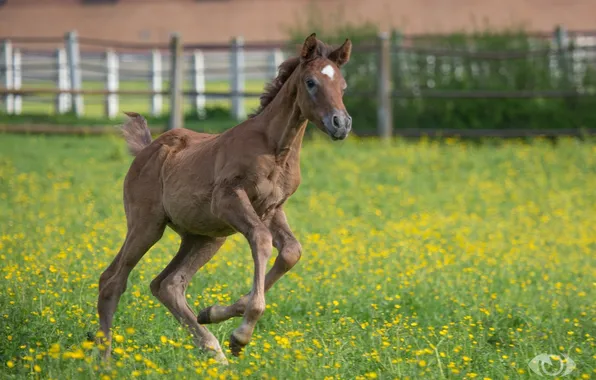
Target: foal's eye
310, 84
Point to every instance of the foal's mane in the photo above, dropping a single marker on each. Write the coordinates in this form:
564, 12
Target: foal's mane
285, 71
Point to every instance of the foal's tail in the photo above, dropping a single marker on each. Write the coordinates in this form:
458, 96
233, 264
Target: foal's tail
136, 133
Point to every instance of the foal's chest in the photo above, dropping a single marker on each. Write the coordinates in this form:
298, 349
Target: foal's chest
272, 191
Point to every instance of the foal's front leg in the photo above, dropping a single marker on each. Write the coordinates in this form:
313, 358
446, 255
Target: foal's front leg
234, 207
289, 254
288, 246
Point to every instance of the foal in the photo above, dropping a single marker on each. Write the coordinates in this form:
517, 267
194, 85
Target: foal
209, 186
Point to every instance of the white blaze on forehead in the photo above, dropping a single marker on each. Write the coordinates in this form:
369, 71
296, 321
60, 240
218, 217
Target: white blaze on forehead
328, 70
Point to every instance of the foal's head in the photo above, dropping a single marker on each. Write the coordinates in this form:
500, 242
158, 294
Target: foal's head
321, 86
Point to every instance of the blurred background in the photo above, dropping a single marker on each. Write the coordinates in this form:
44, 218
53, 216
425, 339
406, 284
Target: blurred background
478, 67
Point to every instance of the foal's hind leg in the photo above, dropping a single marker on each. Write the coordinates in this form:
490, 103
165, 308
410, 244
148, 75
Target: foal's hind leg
170, 286
289, 254
112, 282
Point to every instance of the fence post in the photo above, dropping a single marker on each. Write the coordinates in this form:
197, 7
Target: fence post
384, 114
237, 77
156, 83
275, 59
397, 42
17, 80
111, 84
562, 42
198, 83
6, 67
73, 57
62, 100
176, 119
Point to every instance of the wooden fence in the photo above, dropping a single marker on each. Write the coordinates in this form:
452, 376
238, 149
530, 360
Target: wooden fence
172, 64
177, 64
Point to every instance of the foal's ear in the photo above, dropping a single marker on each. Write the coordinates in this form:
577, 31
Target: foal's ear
309, 48
341, 55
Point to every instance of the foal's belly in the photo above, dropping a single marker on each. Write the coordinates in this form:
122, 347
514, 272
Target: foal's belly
189, 209
191, 213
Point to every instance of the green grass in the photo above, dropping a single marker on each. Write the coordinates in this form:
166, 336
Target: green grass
420, 260
216, 121
94, 104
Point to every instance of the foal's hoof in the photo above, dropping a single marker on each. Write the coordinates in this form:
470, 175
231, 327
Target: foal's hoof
213, 350
204, 317
220, 357
235, 345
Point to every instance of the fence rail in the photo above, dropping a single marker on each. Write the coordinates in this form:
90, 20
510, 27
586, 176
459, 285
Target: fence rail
25, 73
31, 74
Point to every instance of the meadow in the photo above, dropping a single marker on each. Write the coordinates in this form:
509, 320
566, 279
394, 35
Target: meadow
421, 259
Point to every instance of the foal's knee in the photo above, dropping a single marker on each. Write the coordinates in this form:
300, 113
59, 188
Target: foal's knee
169, 286
155, 285
104, 278
255, 308
111, 287
290, 254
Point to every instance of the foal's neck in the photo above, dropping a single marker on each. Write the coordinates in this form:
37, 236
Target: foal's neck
285, 125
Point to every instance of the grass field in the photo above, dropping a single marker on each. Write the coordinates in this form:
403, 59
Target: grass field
420, 260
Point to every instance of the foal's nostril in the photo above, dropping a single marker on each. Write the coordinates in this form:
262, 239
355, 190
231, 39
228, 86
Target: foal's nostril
336, 121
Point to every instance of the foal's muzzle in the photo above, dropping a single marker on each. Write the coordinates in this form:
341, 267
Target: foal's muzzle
338, 124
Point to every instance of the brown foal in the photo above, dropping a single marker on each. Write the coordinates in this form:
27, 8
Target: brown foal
209, 186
